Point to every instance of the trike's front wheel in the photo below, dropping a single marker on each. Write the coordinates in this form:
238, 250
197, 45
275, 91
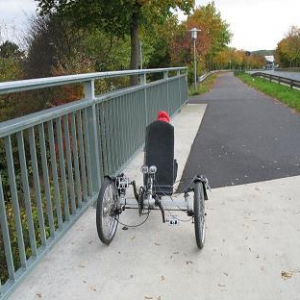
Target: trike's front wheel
199, 214
107, 211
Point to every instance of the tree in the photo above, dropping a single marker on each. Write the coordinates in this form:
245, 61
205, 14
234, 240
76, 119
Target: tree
157, 43
287, 52
117, 17
213, 37
10, 50
11, 68
10, 61
52, 42
57, 48
231, 58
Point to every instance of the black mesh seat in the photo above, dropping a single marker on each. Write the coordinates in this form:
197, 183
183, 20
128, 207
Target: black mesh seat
159, 151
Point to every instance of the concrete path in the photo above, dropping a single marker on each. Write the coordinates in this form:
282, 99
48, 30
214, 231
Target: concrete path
251, 251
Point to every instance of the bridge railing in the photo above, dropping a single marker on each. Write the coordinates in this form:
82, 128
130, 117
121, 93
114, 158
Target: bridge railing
54, 160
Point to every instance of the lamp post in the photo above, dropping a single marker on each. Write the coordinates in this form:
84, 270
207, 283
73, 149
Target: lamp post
194, 38
141, 55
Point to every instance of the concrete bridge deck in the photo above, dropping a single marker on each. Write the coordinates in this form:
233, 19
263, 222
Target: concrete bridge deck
251, 249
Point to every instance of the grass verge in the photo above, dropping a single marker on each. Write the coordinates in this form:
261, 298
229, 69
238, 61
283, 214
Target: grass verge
204, 86
288, 96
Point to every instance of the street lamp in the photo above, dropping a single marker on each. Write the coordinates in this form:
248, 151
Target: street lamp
194, 38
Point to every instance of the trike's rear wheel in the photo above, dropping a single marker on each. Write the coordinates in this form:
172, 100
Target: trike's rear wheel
107, 211
199, 214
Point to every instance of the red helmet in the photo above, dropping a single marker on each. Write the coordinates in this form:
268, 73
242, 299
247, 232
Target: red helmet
163, 116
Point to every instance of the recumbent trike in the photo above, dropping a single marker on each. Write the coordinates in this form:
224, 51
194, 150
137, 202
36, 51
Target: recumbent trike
159, 174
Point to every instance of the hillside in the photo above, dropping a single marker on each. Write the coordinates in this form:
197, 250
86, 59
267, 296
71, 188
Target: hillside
263, 52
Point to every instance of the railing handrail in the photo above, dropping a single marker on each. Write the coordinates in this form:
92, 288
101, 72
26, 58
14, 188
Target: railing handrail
32, 84
14, 125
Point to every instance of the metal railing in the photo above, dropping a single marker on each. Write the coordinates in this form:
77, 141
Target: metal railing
55, 158
206, 75
292, 83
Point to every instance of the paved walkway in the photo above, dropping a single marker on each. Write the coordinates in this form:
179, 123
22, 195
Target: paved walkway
245, 136
251, 251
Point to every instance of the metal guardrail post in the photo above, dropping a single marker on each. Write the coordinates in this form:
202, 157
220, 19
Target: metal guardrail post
93, 155
143, 81
26, 189
6, 235
166, 76
15, 201
178, 73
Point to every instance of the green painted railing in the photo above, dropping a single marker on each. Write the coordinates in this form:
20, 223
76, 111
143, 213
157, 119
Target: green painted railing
55, 158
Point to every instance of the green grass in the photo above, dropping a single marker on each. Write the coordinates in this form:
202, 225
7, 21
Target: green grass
288, 96
204, 86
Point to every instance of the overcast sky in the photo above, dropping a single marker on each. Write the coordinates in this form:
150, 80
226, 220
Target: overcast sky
258, 24
14, 15
255, 24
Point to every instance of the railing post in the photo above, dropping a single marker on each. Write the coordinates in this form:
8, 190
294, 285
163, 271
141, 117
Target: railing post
180, 86
6, 235
143, 81
89, 89
93, 151
166, 76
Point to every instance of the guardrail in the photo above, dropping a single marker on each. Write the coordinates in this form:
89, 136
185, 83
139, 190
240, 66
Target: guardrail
280, 79
55, 158
204, 76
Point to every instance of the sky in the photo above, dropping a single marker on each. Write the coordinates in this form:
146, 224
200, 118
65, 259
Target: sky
258, 24
14, 16
255, 24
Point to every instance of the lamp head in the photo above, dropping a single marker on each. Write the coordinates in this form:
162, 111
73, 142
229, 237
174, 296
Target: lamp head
194, 33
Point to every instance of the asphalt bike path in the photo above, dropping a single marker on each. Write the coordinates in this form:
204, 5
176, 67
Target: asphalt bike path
245, 136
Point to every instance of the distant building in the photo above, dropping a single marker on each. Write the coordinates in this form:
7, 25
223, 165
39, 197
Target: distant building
270, 62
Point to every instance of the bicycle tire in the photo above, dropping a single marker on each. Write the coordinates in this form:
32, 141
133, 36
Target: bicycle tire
199, 214
106, 211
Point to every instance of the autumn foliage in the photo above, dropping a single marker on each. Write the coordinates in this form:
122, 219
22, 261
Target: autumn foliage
287, 53
231, 58
213, 37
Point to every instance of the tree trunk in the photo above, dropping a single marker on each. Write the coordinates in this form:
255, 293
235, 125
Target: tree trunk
134, 59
